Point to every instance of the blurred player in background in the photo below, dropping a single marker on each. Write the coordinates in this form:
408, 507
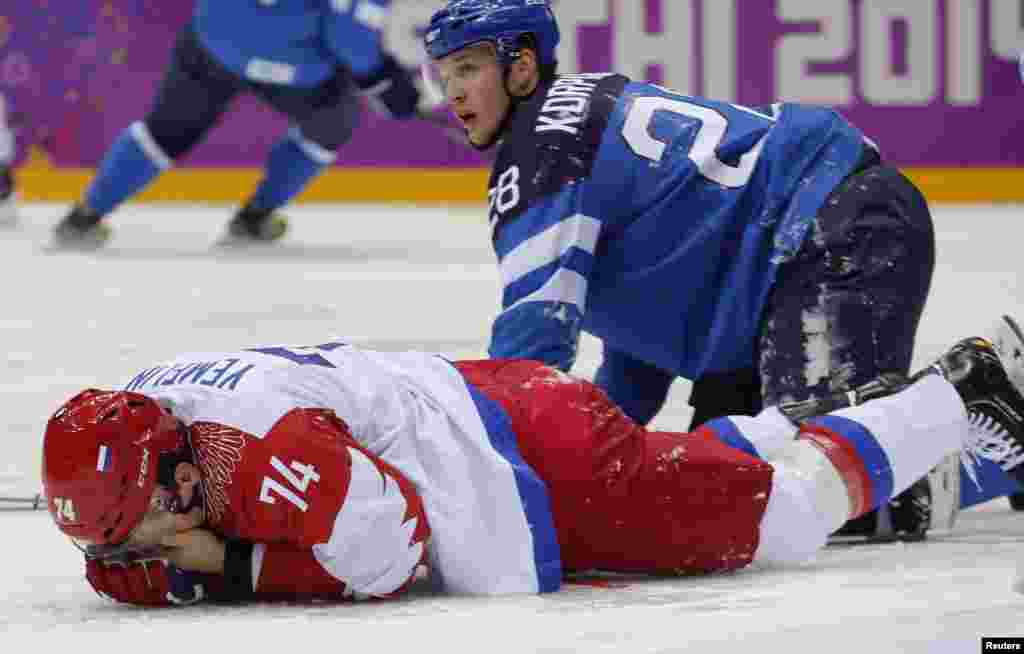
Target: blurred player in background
8, 212
57, 71
308, 61
767, 254
334, 472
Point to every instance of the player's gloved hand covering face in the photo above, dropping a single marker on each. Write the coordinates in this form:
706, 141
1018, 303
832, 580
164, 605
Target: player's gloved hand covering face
168, 514
136, 571
145, 582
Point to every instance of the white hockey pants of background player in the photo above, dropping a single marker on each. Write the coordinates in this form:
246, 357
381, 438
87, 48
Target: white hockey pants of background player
6, 135
7, 153
820, 481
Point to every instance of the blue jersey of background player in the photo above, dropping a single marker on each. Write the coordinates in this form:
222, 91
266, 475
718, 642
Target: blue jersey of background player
310, 60
293, 42
766, 253
614, 211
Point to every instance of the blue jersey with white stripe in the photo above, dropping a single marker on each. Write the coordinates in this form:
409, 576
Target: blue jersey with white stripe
652, 220
293, 42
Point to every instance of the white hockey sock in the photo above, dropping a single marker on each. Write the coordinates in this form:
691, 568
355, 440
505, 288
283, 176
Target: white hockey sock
854, 460
898, 438
760, 436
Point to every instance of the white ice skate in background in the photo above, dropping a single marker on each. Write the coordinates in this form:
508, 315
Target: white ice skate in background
1009, 341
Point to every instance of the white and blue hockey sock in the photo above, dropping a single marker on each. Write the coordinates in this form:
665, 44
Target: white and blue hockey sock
292, 164
132, 162
982, 479
883, 446
852, 461
759, 436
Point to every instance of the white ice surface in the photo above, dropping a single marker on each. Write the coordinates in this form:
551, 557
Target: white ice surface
425, 279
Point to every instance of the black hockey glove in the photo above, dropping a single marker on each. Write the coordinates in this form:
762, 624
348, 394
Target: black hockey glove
392, 90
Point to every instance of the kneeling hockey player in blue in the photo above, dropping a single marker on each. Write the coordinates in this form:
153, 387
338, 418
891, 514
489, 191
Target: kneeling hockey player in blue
768, 254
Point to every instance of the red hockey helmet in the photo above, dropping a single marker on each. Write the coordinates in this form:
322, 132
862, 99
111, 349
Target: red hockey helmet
100, 456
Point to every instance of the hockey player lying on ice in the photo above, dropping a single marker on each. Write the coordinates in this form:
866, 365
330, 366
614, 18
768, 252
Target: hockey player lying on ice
330, 472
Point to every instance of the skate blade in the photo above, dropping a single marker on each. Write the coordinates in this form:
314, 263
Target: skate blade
1009, 343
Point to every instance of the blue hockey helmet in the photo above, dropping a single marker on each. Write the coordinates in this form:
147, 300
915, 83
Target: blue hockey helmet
462, 23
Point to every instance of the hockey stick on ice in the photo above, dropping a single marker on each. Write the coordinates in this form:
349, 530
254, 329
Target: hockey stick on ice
33, 503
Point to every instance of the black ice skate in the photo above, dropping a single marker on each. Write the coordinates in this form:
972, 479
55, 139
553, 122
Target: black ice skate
987, 375
255, 226
1017, 501
81, 229
8, 213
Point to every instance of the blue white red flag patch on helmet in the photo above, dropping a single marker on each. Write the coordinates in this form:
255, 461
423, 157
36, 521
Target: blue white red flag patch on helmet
103, 459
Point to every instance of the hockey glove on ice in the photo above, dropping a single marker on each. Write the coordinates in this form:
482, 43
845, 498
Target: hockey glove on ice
145, 582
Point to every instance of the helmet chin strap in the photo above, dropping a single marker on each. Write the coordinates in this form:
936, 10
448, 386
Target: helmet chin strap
197, 499
166, 468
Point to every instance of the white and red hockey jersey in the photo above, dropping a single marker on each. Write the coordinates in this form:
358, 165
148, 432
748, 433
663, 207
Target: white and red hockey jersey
425, 475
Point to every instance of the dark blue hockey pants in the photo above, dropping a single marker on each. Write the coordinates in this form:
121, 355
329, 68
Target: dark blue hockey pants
197, 90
